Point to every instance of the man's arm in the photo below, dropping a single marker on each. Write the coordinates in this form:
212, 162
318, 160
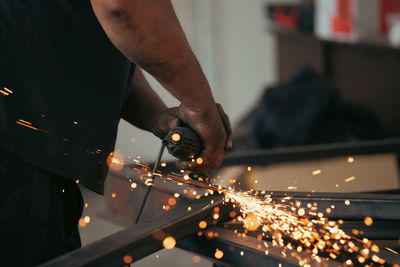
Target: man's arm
143, 106
145, 109
149, 34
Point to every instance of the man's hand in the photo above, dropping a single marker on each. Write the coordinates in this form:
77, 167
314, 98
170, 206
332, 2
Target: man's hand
211, 124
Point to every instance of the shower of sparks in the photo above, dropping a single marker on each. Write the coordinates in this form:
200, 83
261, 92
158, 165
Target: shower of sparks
291, 225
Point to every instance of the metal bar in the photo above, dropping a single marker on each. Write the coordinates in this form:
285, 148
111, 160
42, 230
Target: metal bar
262, 157
144, 238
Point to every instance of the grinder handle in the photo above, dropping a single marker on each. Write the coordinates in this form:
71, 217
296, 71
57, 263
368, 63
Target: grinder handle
183, 143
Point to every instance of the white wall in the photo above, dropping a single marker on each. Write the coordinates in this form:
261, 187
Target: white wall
231, 41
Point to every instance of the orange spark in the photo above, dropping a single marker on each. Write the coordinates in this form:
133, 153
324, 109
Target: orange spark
171, 201
115, 161
169, 242
128, 259
368, 221
218, 254
202, 224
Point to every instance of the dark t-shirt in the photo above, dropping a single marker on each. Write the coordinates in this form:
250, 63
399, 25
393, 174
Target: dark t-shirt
62, 87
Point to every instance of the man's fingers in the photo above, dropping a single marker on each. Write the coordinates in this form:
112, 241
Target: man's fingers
168, 120
228, 127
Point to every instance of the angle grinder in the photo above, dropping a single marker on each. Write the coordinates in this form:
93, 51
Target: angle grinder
182, 143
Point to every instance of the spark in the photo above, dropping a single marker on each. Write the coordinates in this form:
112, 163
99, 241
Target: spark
218, 254
8, 90
316, 172
203, 224
169, 242
29, 125
171, 201
249, 168
350, 159
176, 137
87, 219
301, 212
115, 161
391, 250
352, 178
128, 259
133, 185
163, 164
368, 221
82, 223
4, 92
199, 161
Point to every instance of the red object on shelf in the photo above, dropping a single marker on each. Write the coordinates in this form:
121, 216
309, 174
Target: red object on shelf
288, 17
388, 7
342, 21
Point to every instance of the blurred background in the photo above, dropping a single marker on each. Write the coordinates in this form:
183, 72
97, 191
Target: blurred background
288, 73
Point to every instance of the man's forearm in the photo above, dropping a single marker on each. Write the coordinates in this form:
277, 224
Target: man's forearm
143, 105
149, 34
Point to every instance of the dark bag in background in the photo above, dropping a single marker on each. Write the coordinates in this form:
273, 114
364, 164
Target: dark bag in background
306, 110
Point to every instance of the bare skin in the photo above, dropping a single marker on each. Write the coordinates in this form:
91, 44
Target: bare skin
147, 111
149, 34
